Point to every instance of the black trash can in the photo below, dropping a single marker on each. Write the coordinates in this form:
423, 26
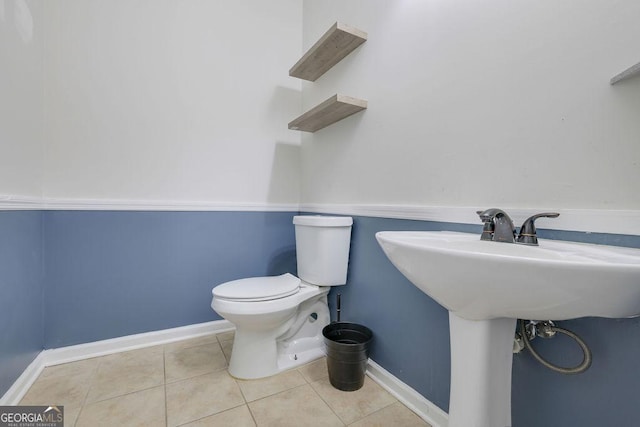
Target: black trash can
347, 354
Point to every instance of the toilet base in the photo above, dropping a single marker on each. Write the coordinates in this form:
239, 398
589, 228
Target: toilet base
303, 351
284, 362
259, 354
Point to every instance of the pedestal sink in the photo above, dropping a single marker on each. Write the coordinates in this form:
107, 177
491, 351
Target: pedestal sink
486, 286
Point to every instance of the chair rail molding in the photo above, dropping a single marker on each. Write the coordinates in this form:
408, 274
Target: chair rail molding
613, 221
626, 222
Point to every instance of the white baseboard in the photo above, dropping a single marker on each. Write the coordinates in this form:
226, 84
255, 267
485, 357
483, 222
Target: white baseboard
19, 388
74, 353
413, 400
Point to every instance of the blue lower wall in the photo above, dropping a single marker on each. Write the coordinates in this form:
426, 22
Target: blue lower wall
411, 331
108, 274
412, 339
21, 291
111, 274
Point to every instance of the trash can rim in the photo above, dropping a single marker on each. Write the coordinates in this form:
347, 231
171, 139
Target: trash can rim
335, 326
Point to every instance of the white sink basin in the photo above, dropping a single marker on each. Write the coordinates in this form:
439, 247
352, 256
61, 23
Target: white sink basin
484, 280
487, 285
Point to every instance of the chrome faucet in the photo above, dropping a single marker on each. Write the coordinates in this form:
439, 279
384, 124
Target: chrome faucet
498, 227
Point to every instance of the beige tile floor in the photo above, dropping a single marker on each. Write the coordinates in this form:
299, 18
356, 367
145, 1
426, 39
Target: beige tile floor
186, 383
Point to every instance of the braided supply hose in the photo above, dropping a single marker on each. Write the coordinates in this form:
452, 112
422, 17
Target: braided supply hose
586, 361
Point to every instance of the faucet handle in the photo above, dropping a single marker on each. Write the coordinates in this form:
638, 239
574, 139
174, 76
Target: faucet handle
527, 234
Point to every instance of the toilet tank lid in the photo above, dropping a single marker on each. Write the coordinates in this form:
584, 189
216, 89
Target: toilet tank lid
258, 288
323, 221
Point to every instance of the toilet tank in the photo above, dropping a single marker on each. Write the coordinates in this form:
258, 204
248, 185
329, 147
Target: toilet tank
322, 247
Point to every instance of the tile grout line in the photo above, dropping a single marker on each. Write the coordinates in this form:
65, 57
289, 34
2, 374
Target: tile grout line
194, 376
176, 380
275, 394
395, 400
188, 347
328, 405
376, 411
126, 394
164, 385
208, 373
186, 379
85, 403
246, 402
253, 417
211, 415
86, 395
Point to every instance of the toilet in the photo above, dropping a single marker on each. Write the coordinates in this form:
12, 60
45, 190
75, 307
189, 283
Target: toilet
279, 319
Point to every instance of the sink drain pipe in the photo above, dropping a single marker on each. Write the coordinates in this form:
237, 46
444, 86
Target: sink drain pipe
548, 330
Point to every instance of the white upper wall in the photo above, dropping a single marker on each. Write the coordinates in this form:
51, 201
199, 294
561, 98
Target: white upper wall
21, 119
172, 100
494, 103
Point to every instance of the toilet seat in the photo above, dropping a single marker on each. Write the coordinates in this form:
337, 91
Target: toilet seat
256, 289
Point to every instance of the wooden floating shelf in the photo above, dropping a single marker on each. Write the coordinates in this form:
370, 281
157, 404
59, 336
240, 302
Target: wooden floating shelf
632, 71
332, 47
330, 111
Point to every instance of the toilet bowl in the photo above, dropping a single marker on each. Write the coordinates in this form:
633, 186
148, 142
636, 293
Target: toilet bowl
273, 335
279, 319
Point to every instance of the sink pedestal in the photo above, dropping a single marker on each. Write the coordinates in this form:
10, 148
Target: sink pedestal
481, 359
